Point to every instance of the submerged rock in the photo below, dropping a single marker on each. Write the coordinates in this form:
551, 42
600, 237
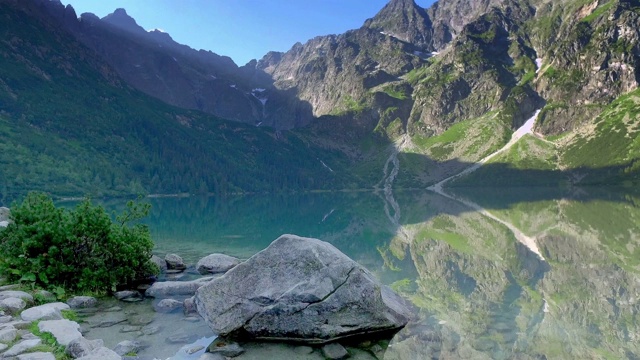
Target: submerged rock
300, 289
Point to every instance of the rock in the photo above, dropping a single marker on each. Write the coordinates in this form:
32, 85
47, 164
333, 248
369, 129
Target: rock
151, 329
3, 347
19, 324
127, 346
166, 289
167, 305
210, 356
81, 302
8, 334
44, 312
194, 349
37, 356
22, 347
334, 351
189, 305
140, 320
101, 353
12, 305
64, 330
225, 348
130, 328
216, 263
26, 335
174, 262
6, 294
4, 224
81, 347
44, 296
128, 296
300, 289
182, 338
9, 287
108, 320
161, 263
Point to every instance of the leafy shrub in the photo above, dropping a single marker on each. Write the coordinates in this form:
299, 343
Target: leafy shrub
78, 250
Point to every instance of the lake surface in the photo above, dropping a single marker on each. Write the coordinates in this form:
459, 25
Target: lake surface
479, 292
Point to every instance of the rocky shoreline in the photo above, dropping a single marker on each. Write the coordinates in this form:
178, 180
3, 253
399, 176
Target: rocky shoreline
302, 296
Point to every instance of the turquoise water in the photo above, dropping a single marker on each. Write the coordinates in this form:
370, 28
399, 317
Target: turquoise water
478, 292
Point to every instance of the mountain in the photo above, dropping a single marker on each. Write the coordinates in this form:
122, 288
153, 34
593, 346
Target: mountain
410, 98
152, 62
71, 126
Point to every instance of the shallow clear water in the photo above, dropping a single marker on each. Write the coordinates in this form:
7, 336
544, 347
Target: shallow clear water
478, 292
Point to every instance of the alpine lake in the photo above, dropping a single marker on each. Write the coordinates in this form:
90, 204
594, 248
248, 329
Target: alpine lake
478, 290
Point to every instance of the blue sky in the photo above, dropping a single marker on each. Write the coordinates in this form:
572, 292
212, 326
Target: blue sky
242, 29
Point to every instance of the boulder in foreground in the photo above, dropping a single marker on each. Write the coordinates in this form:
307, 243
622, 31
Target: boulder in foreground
303, 290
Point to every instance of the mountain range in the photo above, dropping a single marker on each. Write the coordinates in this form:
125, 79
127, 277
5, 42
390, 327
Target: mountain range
104, 107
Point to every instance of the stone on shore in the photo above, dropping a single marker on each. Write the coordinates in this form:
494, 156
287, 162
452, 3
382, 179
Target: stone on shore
6, 294
81, 302
22, 347
8, 334
44, 312
128, 296
37, 356
164, 289
101, 353
160, 262
216, 263
12, 305
127, 346
80, 347
334, 351
300, 289
175, 262
64, 330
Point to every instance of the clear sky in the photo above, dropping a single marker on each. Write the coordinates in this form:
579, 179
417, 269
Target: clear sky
242, 29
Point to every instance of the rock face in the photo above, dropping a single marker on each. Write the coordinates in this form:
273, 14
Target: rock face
300, 289
216, 263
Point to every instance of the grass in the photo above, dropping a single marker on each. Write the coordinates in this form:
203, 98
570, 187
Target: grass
598, 12
49, 343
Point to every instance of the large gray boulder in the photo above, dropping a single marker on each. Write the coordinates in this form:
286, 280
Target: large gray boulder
300, 289
216, 263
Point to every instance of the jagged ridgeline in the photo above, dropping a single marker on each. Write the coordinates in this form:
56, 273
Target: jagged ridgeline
71, 126
102, 106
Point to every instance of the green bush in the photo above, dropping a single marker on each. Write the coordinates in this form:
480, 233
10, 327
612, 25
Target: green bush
78, 250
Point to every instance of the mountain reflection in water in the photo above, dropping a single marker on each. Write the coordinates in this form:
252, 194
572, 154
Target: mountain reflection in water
478, 292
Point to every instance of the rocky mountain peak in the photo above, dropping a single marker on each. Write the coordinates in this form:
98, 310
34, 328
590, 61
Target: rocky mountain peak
120, 19
405, 20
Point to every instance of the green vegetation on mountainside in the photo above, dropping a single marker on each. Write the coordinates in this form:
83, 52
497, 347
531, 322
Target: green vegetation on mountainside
605, 150
67, 130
